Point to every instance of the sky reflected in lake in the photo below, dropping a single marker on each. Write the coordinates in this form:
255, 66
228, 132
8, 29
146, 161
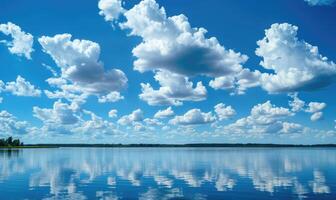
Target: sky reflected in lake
168, 173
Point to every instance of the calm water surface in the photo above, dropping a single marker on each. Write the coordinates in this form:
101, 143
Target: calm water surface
168, 173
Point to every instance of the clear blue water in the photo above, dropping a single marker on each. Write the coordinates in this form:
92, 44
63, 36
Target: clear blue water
168, 173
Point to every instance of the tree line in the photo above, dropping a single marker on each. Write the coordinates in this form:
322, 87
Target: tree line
10, 142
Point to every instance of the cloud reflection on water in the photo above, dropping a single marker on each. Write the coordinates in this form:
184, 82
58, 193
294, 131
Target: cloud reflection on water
162, 173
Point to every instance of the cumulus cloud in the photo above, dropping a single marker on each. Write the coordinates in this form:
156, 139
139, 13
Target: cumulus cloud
10, 125
239, 83
314, 107
70, 92
67, 119
152, 122
136, 116
96, 126
316, 116
297, 65
164, 113
266, 113
224, 112
61, 113
296, 104
110, 9
20, 87
171, 44
264, 119
288, 128
113, 113
110, 97
22, 42
193, 117
80, 65
320, 2
173, 91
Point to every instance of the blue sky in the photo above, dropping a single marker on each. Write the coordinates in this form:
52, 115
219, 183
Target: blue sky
220, 71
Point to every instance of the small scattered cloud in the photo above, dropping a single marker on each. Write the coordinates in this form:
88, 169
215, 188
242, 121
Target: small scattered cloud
110, 97
264, 119
10, 125
20, 87
61, 113
21, 43
110, 9
136, 116
316, 116
113, 113
224, 112
173, 91
314, 107
164, 113
296, 104
193, 117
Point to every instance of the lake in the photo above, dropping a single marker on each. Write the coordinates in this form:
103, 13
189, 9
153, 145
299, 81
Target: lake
168, 173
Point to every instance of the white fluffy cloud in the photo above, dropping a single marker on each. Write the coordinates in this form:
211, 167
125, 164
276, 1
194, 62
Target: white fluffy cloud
79, 64
316, 116
22, 43
20, 87
264, 119
239, 83
224, 112
296, 104
170, 43
110, 97
289, 128
314, 107
61, 113
95, 127
193, 117
173, 91
67, 91
9, 125
267, 113
164, 113
152, 122
297, 65
320, 2
110, 9
113, 113
135, 116
67, 121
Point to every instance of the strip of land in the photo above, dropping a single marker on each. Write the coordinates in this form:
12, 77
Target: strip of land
173, 145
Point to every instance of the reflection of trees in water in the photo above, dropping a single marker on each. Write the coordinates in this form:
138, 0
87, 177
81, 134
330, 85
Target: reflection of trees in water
9, 153
67, 171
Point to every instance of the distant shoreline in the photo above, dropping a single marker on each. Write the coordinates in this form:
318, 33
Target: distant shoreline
168, 145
